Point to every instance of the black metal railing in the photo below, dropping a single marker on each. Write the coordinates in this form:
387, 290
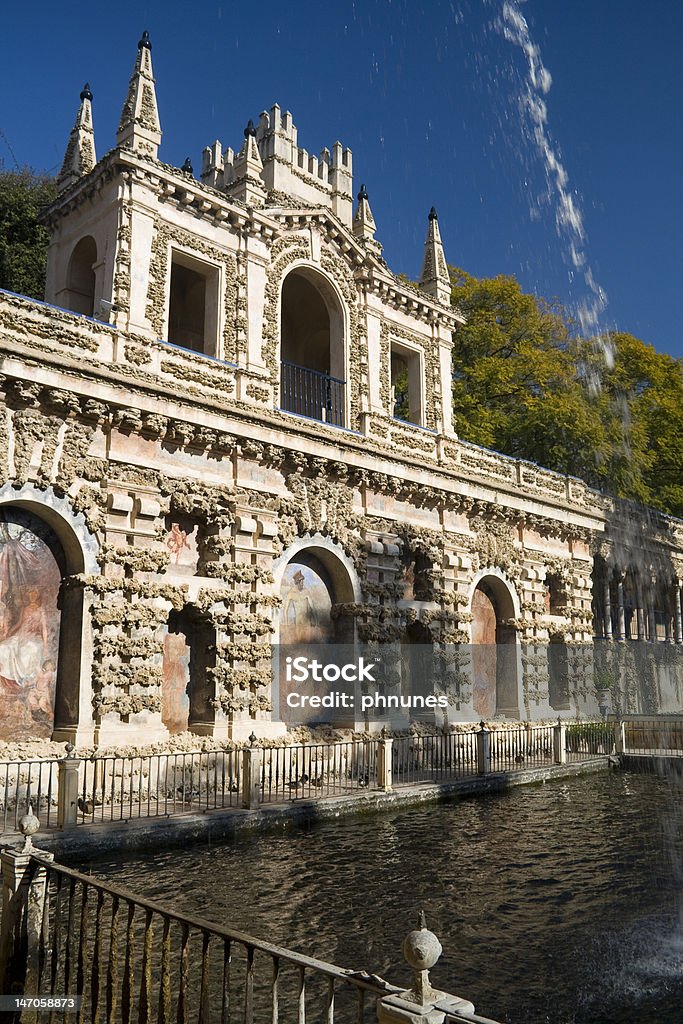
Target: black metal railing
27, 782
312, 393
151, 785
589, 739
314, 770
433, 758
131, 959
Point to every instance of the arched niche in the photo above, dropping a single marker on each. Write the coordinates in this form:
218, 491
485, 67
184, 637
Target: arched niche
315, 575
315, 581
44, 638
312, 347
189, 652
494, 606
80, 278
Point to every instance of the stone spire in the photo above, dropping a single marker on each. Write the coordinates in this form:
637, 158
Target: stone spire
80, 151
139, 128
434, 278
364, 223
247, 183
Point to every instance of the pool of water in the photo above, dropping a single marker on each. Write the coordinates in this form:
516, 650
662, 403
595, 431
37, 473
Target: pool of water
558, 903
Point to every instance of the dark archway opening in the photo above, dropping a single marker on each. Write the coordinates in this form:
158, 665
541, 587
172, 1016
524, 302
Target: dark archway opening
80, 282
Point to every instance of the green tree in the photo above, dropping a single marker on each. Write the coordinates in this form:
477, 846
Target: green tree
23, 242
648, 385
518, 385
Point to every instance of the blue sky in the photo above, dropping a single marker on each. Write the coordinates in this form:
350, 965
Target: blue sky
425, 94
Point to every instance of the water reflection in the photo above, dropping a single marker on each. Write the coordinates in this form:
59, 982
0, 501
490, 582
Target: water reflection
555, 903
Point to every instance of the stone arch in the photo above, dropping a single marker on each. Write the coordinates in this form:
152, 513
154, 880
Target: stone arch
313, 342
318, 584
80, 277
495, 651
45, 643
335, 570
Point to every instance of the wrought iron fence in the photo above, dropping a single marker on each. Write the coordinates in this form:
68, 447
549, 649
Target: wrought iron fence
653, 735
315, 770
522, 746
117, 788
312, 393
589, 739
24, 782
418, 759
132, 959
122, 788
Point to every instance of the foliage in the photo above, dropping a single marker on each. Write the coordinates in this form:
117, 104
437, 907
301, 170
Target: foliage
23, 242
525, 385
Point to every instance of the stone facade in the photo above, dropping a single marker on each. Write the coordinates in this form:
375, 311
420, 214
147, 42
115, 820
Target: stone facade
227, 386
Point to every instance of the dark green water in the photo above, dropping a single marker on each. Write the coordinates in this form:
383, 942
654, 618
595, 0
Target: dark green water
560, 903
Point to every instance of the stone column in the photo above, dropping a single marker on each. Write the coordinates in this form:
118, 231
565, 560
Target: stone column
67, 789
651, 621
421, 1004
560, 743
24, 883
640, 615
384, 754
607, 609
678, 618
483, 750
621, 619
607, 600
251, 775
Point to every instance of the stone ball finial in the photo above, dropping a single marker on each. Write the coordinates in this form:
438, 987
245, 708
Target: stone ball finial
433, 214
85, 92
363, 194
187, 166
145, 41
252, 738
249, 130
28, 826
421, 948
69, 747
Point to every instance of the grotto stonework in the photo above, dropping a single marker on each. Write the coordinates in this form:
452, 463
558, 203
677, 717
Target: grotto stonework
230, 425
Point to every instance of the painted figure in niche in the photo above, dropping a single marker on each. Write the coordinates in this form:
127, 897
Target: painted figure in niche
182, 545
305, 614
305, 619
29, 629
176, 541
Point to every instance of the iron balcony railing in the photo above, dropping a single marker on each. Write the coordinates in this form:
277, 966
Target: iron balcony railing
312, 393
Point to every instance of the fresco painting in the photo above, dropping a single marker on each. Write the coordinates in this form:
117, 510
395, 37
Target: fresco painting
182, 546
484, 655
175, 701
30, 578
305, 619
305, 614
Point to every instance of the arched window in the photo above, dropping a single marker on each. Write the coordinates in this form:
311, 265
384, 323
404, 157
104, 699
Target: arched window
80, 281
313, 379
